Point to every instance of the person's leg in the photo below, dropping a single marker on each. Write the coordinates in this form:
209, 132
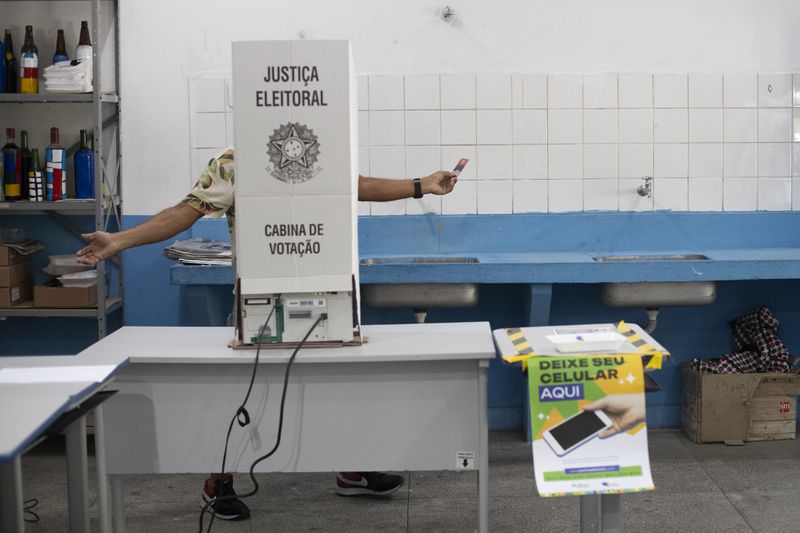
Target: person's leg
367, 483
228, 509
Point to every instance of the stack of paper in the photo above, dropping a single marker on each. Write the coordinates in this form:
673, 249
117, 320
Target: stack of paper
69, 77
200, 252
24, 247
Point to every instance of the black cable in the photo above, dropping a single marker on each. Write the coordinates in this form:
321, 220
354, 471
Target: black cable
322, 317
241, 415
27, 505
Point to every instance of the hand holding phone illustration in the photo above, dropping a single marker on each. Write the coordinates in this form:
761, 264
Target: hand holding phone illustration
576, 430
624, 410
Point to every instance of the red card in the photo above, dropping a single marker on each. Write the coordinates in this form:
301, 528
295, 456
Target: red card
460, 166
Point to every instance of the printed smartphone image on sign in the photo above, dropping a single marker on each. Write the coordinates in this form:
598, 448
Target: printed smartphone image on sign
460, 166
576, 430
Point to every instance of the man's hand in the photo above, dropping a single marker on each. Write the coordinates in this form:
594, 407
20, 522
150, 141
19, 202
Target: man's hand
102, 245
441, 182
624, 410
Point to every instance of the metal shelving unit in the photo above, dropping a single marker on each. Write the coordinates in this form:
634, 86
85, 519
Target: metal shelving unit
105, 118
47, 98
27, 310
78, 207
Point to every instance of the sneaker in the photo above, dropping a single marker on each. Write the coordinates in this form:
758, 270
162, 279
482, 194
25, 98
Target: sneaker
232, 509
370, 484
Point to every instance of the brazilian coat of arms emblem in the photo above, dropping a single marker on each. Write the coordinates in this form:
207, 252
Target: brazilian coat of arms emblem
293, 150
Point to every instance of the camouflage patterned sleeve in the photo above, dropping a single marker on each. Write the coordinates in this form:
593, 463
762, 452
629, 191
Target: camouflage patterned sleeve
213, 193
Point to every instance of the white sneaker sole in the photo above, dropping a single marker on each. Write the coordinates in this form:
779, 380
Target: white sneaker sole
363, 491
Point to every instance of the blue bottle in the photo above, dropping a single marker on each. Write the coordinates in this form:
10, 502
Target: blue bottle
55, 160
61, 49
84, 168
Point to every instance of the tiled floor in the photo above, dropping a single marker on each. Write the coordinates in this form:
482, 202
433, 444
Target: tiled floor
704, 488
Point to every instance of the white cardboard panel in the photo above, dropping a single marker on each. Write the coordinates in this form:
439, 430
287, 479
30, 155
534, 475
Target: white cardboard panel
325, 222
269, 129
295, 134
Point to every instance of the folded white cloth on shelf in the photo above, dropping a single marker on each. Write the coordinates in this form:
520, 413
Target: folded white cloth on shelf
68, 88
68, 77
68, 69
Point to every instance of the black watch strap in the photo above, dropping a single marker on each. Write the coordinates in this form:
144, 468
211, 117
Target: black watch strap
417, 188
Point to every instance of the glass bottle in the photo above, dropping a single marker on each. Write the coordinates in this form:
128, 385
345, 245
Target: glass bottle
35, 179
84, 49
12, 168
61, 49
26, 157
11, 64
55, 159
29, 64
84, 168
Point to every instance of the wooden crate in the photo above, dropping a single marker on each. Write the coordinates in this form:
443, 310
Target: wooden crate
738, 407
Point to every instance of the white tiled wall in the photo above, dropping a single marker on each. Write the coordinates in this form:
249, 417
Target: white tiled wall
558, 143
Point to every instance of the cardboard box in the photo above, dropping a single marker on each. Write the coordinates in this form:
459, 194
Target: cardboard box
738, 407
9, 256
16, 294
16, 273
51, 294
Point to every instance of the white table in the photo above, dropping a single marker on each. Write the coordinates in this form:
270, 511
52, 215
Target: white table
30, 408
411, 398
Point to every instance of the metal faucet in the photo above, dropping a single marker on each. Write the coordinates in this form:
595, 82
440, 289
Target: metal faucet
448, 14
646, 189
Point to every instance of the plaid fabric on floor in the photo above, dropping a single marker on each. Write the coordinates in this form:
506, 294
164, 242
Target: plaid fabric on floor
756, 345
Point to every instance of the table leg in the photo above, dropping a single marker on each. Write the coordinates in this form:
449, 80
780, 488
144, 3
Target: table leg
118, 502
77, 476
590, 513
100, 465
11, 517
483, 453
611, 513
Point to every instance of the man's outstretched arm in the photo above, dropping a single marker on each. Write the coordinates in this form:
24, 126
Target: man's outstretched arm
386, 190
162, 226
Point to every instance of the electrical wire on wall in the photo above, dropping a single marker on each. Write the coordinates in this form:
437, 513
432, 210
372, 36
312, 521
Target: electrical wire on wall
243, 418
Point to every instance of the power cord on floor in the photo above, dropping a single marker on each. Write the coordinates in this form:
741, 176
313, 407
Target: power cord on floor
243, 418
27, 507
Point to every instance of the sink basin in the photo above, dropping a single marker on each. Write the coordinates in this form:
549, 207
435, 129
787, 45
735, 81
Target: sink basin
658, 293
420, 295
408, 260
623, 258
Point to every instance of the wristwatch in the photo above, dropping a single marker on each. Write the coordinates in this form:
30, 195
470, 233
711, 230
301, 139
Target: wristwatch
417, 188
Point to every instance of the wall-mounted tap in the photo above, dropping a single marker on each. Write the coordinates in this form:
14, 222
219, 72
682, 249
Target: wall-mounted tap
646, 189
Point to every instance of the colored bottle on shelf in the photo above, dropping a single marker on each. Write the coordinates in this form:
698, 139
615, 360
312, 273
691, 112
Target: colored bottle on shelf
29, 64
61, 49
84, 49
84, 168
83, 52
55, 159
12, 168
11, 64
27, 158
35, 179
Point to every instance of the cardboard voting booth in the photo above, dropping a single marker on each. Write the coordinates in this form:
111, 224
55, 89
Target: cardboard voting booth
295, 136
587, 406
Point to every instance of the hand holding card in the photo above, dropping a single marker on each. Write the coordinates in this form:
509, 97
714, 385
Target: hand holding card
460, 166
